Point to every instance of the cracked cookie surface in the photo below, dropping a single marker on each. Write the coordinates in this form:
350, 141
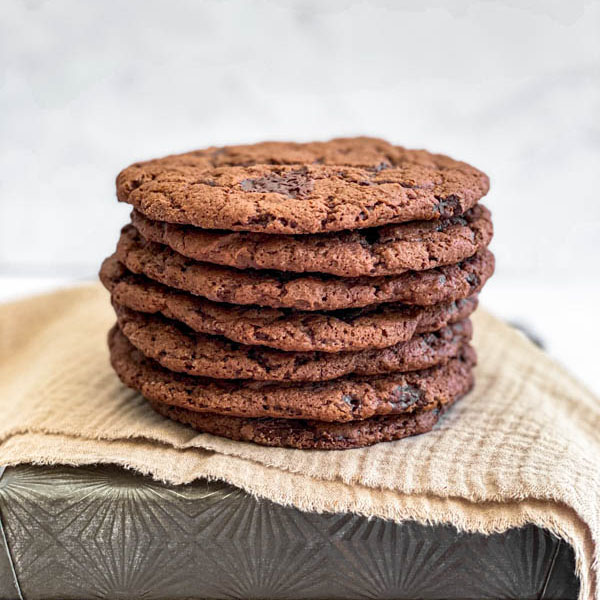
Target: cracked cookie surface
292, 188
284, 329
340, 400
178, 348
388, 250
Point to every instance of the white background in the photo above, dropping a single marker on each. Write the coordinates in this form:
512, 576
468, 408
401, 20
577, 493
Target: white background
512, 86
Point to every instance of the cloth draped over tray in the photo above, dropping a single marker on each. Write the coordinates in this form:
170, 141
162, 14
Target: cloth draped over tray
523, 447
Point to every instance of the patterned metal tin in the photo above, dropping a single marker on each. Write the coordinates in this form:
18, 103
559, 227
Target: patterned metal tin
102, 532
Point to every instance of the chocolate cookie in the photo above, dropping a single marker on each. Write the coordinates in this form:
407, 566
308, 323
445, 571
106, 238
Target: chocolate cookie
344, 399
303, 292
377, 326
389, 250
350, 152
307, 434
178, 348
302, 188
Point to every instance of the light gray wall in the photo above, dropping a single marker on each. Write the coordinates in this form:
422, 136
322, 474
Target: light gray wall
88, 87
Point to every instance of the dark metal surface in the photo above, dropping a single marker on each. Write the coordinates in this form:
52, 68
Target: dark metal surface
9, 585
107, 533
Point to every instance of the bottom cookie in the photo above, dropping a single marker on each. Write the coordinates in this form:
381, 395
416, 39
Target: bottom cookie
305, 434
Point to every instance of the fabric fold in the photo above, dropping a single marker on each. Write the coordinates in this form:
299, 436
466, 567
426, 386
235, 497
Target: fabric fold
523, 447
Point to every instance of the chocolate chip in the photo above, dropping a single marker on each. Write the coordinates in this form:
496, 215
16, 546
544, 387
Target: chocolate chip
351, 401
290, 184
449, 206
473, 279
263, 219
406, 396
382, 166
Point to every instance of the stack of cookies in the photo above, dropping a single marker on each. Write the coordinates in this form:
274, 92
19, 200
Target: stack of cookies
303, 295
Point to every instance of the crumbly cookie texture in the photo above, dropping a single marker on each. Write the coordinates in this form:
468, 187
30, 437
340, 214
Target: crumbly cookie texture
293, 188
178, 348
388, 250
372, 327
340, 400
302, 292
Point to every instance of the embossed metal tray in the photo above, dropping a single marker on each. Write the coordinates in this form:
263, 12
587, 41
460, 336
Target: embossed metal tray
79, 533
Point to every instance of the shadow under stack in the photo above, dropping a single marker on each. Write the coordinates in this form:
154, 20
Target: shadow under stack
302, 295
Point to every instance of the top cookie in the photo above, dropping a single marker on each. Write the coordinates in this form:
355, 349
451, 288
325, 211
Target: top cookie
289, 188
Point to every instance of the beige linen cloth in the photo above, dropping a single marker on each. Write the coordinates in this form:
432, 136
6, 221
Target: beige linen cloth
523, 447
